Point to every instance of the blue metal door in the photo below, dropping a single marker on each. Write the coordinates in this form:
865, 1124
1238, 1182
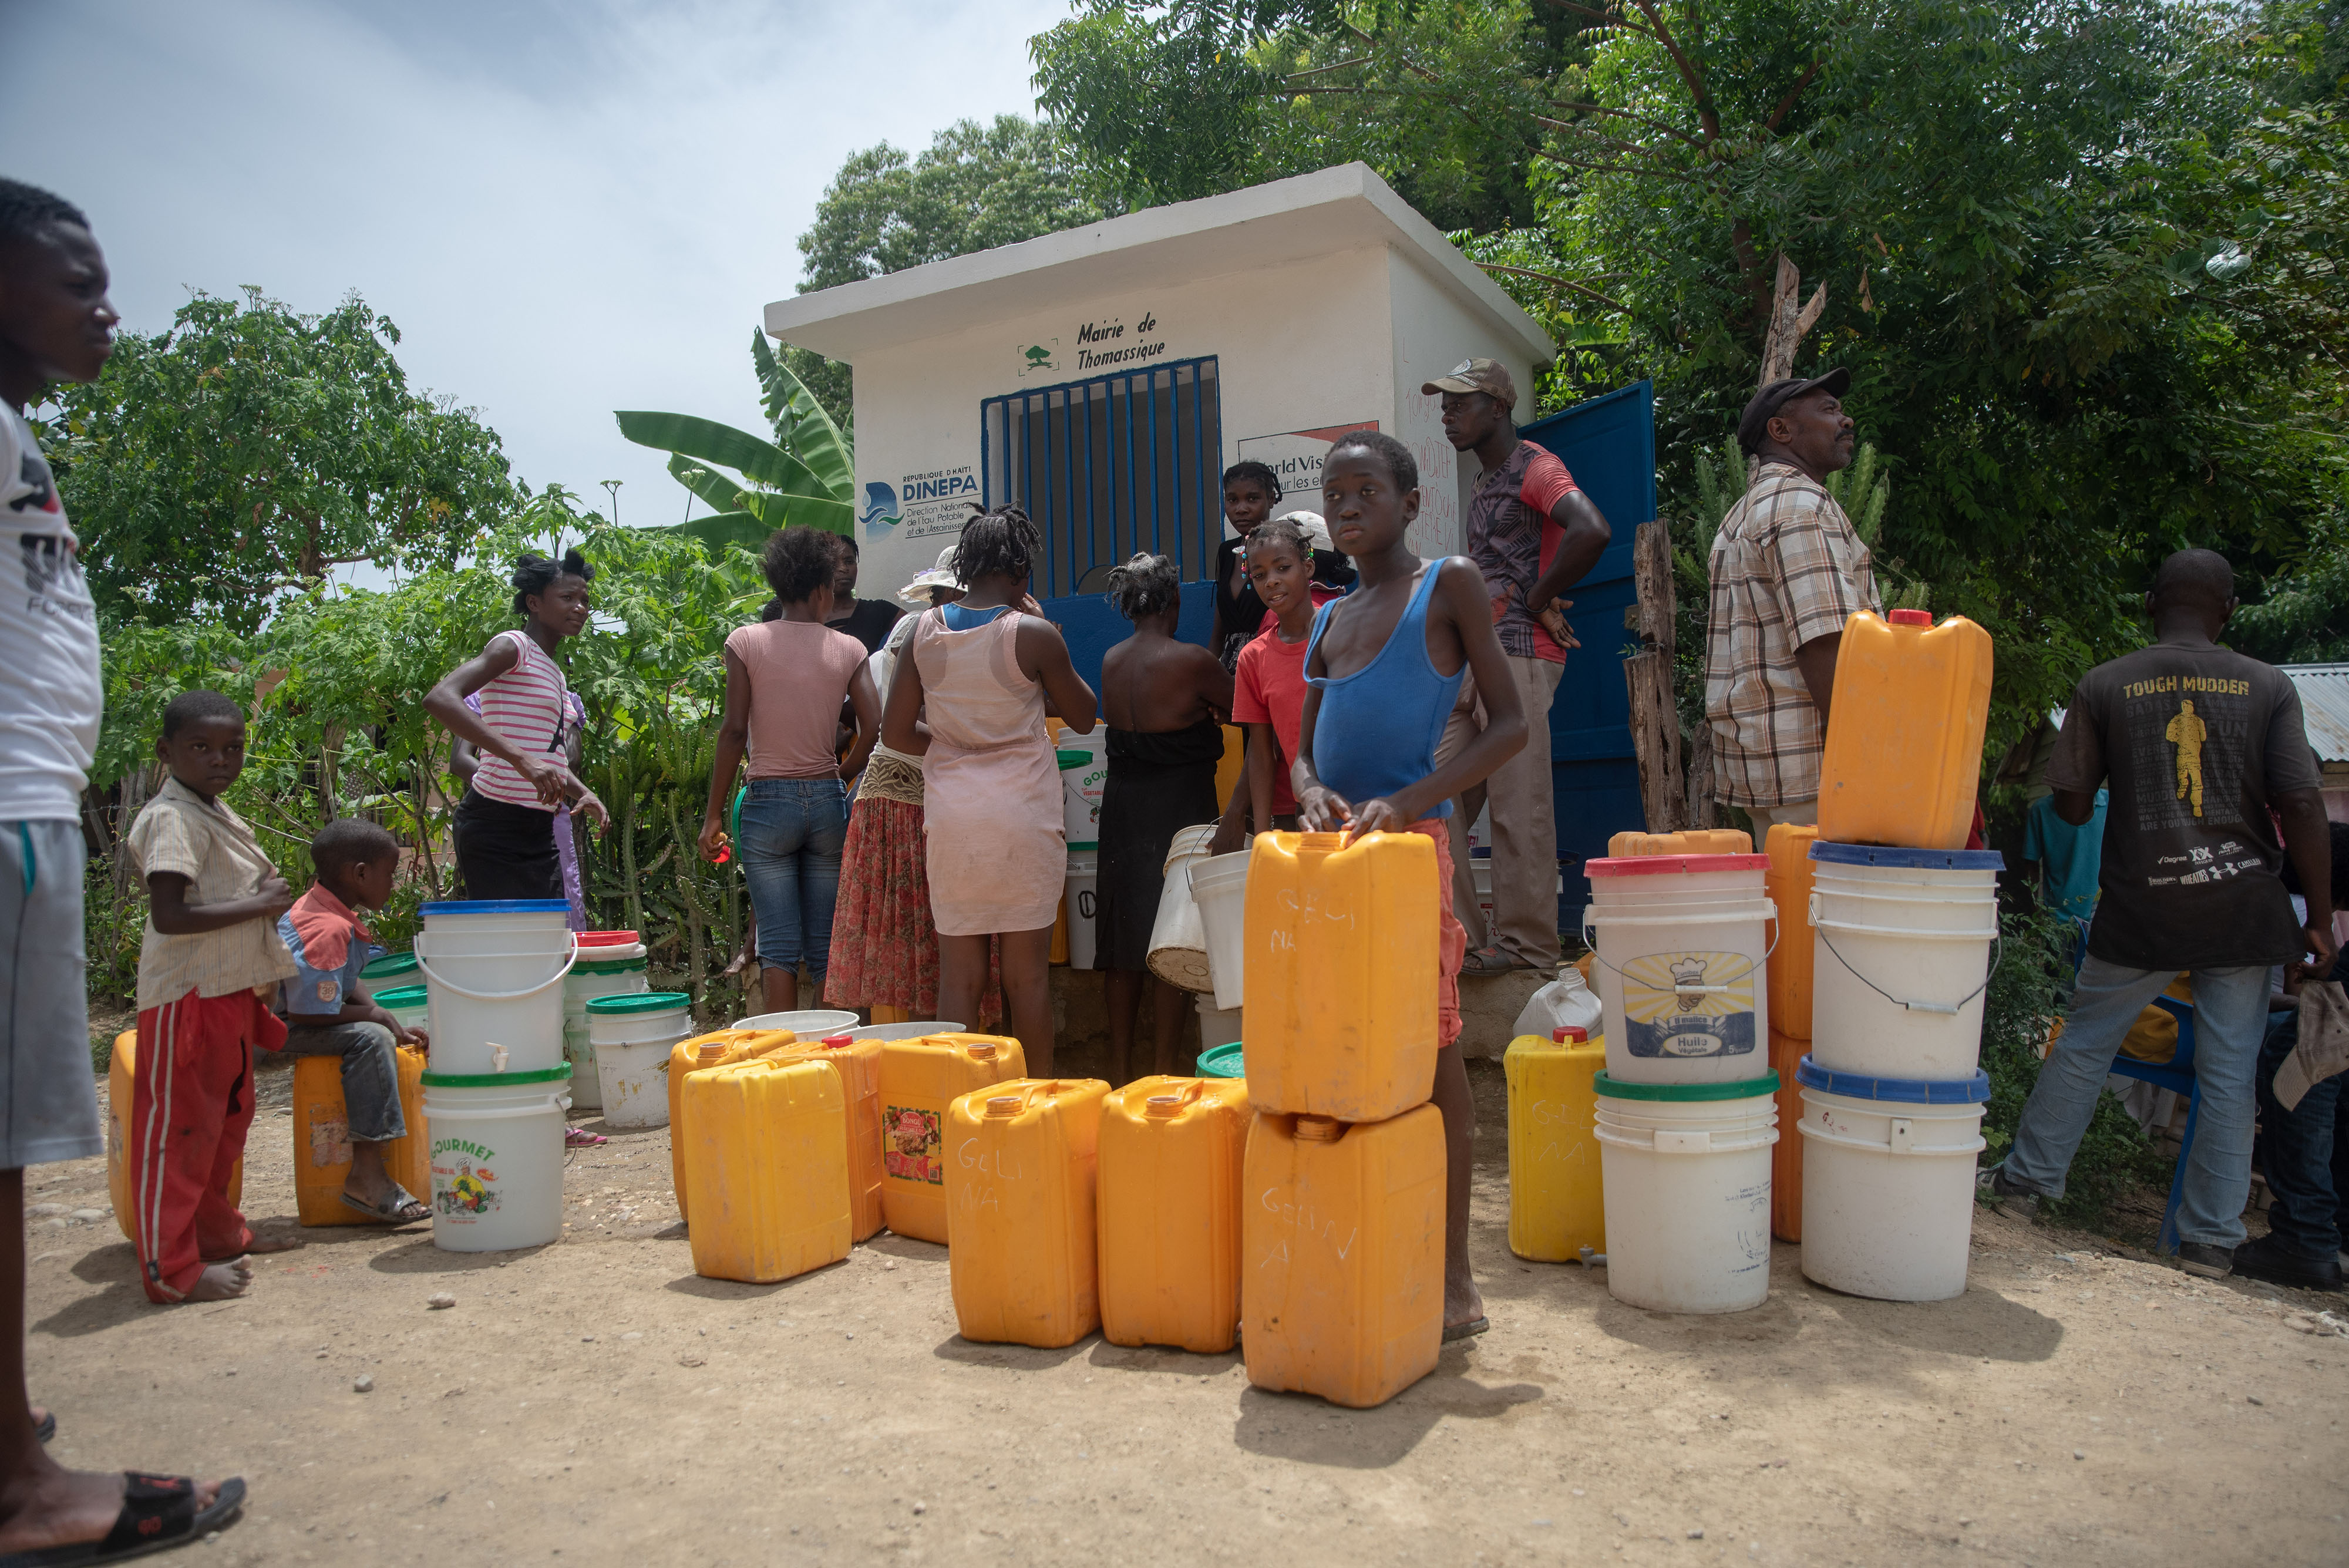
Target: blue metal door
1609, 444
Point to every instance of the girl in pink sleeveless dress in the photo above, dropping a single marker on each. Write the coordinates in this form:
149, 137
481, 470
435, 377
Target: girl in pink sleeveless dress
970, 699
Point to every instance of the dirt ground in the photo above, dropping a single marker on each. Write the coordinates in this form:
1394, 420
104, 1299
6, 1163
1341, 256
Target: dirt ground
595, 1401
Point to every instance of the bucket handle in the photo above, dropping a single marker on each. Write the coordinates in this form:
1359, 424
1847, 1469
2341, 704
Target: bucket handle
422, 963
1946, 1010
1776, 929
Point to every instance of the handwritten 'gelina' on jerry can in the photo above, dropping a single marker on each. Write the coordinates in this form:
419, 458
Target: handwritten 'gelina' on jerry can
1905, 732
1341, 1255
1556, 1203
1342, 974
1021, 1231
767, 1153
858, 1062
717, 1048
1169, 1206
919, 1080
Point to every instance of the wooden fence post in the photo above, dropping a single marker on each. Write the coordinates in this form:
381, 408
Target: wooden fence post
1648, 679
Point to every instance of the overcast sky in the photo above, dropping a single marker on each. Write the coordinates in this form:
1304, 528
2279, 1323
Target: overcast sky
568, 206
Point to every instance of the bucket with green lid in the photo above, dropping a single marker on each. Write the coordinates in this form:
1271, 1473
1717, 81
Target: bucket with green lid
1223, 1062
388, 969
1684, 1169
497, 1158
631, 1035
408, 1003
611, 963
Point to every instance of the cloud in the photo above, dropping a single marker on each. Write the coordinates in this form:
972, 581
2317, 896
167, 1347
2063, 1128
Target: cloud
567, 206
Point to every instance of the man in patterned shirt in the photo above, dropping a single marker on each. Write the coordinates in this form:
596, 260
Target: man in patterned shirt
1789, 570
1533, 534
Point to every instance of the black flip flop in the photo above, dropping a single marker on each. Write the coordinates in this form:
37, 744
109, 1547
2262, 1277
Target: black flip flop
393, 1210
48, 1428
1469, 1329
158, 1512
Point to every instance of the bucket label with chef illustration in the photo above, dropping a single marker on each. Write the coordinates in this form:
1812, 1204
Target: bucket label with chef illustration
911, 1142
1690, 1004
463, 1184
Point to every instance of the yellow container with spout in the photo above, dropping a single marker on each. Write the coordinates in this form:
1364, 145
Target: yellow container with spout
715, 1049
1557, 1203
1341, 1262
858, 1062
1342, 974
1022, 1233
920, 1079
1171, 1152
767, 1151
1905, 732
121, 1084
322, 1139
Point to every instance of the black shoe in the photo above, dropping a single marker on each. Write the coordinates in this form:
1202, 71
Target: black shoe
2208, 1261
1992, 1187
2267, 1258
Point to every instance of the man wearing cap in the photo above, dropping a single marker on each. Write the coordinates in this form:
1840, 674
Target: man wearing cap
1789, 570
1533, 533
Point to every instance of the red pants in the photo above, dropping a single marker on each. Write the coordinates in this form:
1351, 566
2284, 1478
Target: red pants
189, 1113
1452, 937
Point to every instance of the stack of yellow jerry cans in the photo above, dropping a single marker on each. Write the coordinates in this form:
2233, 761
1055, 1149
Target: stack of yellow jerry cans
1341, 1259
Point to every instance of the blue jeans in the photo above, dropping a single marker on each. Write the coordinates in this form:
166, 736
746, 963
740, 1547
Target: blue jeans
370, 1072
791, 833
2229, 1013
2302, 1146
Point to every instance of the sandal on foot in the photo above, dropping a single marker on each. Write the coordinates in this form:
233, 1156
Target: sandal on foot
1469, 1329
580, 1137
47, 1427
158, 1512
1489, 961
401, 1207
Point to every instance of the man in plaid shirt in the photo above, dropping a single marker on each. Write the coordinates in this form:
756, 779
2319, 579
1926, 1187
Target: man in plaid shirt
1789, 570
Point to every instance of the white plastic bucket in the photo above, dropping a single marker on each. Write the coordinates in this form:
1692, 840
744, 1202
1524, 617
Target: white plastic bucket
807, 1022
1889, 1182
408, 1004
497, 1158
593, 976
1902, 959
1178, 941
1217, 1025
1219, 887
894, 1031
1080, 792
1681, 942
633, 1036
1686, 1173
1084, 906
494, 970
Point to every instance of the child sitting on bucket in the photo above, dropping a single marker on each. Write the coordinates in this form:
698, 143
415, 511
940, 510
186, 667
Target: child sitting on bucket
210, 956
1381, 671
329, 1013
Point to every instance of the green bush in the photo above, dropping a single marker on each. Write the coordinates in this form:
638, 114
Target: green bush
2025, 996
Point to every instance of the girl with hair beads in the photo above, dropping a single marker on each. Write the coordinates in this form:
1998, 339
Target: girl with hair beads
1165, 700
969, 699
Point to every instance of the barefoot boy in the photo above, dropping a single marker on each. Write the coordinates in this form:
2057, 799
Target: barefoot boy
329, 1013
1381, 672
209, 958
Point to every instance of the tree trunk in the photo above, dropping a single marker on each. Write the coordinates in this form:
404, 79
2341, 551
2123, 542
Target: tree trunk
1648, 678
1788, 326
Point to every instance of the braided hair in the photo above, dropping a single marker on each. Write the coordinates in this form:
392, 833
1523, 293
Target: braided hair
997, 541
1145, 586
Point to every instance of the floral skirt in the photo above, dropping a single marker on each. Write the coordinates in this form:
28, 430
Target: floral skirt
884, 945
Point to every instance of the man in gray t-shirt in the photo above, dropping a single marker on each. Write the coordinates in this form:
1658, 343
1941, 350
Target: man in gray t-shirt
2199, 745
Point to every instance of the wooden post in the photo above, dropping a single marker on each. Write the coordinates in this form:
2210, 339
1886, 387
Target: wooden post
1788, 326
1648, 679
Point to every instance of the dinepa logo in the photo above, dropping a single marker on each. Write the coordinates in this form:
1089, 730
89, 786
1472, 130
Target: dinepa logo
880, 508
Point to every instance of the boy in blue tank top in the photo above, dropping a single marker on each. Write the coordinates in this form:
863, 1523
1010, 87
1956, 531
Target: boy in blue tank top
1381, 672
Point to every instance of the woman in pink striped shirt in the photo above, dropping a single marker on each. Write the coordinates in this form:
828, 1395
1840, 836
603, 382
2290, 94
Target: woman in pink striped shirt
504, 830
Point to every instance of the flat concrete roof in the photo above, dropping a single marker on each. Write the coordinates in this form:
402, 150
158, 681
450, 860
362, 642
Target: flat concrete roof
1320, 214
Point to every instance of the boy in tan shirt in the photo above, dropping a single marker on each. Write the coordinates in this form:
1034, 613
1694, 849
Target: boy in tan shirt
209, 959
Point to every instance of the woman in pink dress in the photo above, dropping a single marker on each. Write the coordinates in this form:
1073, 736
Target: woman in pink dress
970, 700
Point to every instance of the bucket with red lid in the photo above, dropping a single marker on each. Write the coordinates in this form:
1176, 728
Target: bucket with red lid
1681, 943
611, 963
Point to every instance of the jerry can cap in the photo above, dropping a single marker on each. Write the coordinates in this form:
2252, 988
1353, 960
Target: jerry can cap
1564, 1031
834, 1042
1162, 1105
1318, 1130
1004, 1105
1910, 617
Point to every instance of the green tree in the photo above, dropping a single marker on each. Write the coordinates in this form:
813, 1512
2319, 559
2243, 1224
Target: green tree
975, 187
249, 449
806, 475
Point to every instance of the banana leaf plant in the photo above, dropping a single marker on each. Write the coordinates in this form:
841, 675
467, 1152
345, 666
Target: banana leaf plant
806, 475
